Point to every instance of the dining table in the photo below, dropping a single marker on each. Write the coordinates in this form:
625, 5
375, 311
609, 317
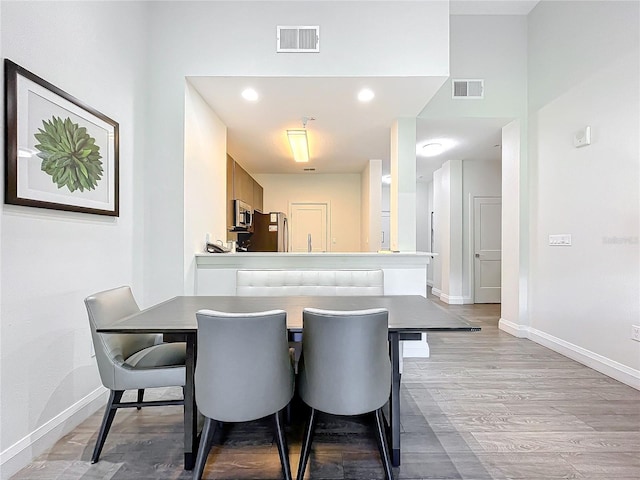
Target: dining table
409, 317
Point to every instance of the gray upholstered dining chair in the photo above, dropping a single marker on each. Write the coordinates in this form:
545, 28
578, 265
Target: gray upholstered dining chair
129, 361
345, 370
244, 372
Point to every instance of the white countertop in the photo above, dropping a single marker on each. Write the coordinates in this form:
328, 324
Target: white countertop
308, 254
316, 260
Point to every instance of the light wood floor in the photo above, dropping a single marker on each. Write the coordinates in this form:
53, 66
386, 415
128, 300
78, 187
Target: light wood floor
486, 405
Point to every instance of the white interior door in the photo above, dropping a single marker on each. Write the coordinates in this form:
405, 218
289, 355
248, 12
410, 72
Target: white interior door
386, 230
487, 249
308, 225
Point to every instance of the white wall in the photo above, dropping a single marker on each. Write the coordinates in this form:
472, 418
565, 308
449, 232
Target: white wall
423, 213
51, 260
493, 48
371, 206
403, 185
438, 208
511, 295
341, 191
584, 298
479, 179
450, 231
203, 38
205, 162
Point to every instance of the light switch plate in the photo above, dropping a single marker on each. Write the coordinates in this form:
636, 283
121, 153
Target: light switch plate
582, 138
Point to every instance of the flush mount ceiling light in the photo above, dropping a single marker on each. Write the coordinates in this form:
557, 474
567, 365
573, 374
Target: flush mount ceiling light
366, 95
432, 149
299, 142
299, 145
250, 94
435, 146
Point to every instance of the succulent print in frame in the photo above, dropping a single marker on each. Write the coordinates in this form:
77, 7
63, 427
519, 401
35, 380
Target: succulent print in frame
60, 153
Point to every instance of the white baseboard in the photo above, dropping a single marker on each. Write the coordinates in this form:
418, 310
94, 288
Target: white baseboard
436, 291
21, 453
429, 283
467, 300
611, 368
452, 299
622, 373
514, 329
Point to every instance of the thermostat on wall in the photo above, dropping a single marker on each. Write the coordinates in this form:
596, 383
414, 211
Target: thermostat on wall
582, 137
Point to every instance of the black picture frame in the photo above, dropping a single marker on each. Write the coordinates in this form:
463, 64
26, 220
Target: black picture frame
60, 153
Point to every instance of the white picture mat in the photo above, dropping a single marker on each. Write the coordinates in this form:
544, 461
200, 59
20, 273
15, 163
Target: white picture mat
35, 104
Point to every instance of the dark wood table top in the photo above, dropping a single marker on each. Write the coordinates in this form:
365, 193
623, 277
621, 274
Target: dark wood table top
407, 313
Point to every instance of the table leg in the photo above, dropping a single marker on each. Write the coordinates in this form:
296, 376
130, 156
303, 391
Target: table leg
394, 400
190, 409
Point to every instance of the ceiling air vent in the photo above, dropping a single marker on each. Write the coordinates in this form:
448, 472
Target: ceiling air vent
468, 88
299, 39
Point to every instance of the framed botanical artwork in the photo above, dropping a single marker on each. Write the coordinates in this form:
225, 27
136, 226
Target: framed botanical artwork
59, 153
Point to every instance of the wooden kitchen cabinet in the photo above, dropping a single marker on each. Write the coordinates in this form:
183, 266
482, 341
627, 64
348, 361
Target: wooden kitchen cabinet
241, 186
230, 193
258, 195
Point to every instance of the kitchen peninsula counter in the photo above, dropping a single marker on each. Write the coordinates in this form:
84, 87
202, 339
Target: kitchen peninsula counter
405, 273
325, 260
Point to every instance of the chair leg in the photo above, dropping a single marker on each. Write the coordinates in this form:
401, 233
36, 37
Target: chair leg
382, 445
140, 397
306, 443
107, 420
205, 446
283, 450
287, 414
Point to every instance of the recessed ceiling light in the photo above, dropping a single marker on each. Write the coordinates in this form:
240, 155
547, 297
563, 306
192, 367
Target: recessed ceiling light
432, 149
250, 94
366, 95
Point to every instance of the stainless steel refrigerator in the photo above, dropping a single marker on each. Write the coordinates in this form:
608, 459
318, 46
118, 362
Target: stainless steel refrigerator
270, 233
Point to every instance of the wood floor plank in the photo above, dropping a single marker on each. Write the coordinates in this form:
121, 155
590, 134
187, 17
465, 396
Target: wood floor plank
559, 442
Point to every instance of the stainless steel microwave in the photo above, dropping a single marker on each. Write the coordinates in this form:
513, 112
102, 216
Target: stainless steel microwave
242, 214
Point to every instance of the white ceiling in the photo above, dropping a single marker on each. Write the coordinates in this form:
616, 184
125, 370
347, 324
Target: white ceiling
491, 7
346, 133
466, 138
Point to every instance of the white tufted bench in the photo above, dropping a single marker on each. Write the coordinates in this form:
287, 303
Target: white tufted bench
309, 282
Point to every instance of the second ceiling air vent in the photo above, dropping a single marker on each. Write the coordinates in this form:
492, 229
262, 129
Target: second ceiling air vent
467, 88
299, 39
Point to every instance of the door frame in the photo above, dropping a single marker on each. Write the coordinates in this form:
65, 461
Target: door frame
472, 243
327, 205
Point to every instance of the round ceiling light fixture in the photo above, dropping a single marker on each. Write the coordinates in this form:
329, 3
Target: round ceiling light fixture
435, 146
250, 94
432, 149
366, 95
